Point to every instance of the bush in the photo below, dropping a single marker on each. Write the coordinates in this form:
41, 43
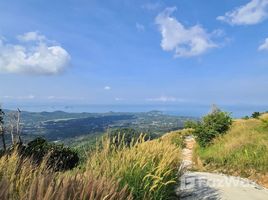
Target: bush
255, 115
211, 126
190, 124
58, 157
246, 117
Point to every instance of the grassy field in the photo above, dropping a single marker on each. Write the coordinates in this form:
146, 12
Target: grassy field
242, 151
145, 170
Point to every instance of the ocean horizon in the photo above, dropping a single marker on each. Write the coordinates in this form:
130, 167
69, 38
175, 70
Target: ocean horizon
178, 110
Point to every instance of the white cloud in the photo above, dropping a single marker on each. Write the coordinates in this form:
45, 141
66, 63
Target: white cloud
107, 88
264, 45
27, 97
31, 36
185, 42
165, 99
140, 27
37, 57
253, 12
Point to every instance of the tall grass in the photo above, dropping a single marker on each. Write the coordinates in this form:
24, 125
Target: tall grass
143, 170
177, 138
21, 179
242, 151
150, 168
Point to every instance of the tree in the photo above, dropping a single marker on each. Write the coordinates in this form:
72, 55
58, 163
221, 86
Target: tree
190, 124
246, 117
18, 125
12, 124
211, 126
2, 131
255, 115
57, 157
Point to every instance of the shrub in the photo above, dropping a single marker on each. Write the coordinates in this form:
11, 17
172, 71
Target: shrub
57, 157
255, 115
211, 126
246, 117
190, 124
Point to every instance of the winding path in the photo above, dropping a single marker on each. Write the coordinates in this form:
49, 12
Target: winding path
203, 185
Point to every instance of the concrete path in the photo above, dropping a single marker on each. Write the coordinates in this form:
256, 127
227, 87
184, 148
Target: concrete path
202, 185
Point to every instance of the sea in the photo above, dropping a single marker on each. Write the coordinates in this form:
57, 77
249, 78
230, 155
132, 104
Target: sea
193, 110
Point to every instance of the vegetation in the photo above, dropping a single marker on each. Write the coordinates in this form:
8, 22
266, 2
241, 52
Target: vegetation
20, 179
177, 138
191, 124
242, 151
2, 114
58, 157
141, 170
246, 117
66, 127
213, 125
148, 168
256, 115
127, 136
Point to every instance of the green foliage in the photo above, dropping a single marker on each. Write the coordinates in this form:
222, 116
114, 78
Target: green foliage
211, 126
126, 136
190, 124
255, 115
246, 117
242, 151
1, 116
149, 169
177, 138
58, 157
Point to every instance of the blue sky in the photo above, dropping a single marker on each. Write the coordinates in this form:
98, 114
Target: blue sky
126, 52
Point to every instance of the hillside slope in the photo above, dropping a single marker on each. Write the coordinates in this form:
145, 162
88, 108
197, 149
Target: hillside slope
242, 151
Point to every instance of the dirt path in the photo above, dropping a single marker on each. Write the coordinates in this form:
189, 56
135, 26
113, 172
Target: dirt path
202, 185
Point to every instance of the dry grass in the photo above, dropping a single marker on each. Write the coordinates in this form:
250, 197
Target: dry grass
20, 179
146, 170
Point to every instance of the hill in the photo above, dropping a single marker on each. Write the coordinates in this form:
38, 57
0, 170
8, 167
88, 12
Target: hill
242, 151
63, 126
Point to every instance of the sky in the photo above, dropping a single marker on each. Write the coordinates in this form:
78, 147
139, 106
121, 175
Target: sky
134, 52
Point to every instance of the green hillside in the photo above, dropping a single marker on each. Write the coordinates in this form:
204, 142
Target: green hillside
242, 151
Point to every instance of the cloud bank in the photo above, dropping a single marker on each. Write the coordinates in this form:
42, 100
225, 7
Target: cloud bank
185, 42
253, 12
32, 55
165, 99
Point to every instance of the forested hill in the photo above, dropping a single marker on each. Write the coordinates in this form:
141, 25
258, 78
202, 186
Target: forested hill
61, 125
